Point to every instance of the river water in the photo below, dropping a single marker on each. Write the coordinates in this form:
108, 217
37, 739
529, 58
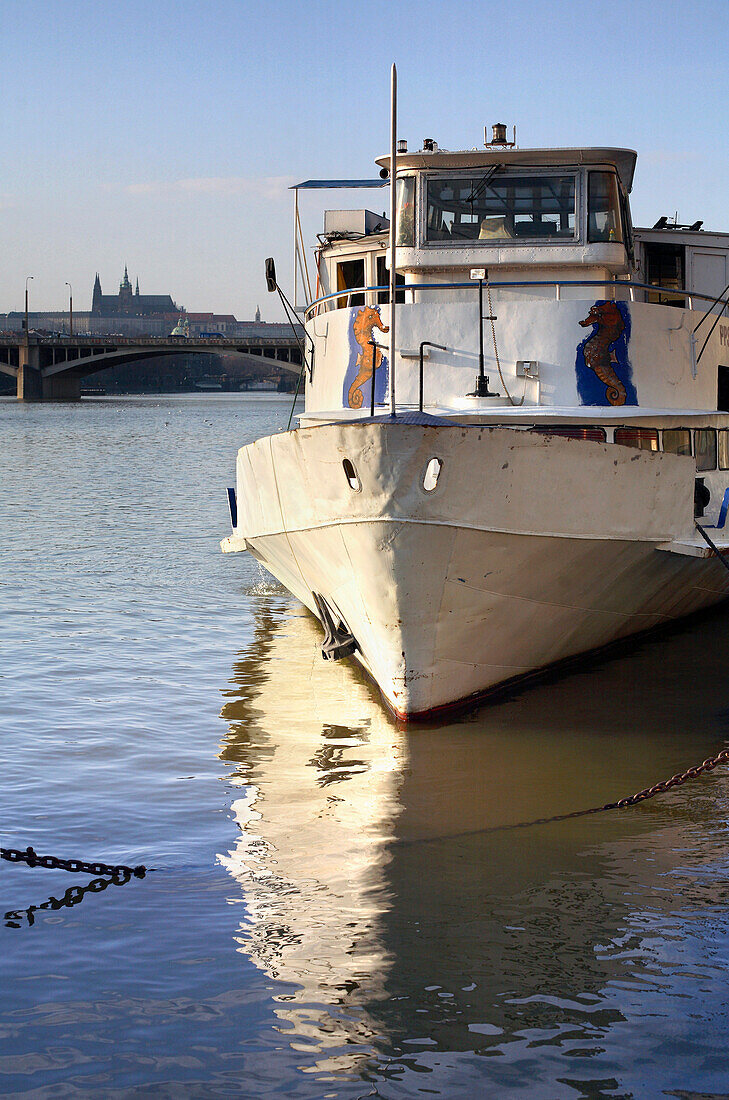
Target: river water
337, 907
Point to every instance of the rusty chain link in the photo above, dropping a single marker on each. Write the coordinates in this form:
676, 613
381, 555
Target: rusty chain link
31, 857
675, 781
632, 800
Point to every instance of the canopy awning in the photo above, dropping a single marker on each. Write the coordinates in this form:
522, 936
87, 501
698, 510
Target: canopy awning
314, 185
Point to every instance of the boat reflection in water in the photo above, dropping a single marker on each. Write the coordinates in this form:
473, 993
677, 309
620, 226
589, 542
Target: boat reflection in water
410, 928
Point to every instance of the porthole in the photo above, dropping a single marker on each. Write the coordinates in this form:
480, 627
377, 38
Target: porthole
351, 475
432, 473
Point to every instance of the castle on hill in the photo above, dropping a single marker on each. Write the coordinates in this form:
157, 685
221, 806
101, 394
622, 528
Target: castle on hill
130, 303
129, 313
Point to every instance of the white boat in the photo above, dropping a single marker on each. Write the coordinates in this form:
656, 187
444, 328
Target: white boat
543, 466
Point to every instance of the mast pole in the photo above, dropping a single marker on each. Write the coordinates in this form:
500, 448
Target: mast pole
296, 248
393, 229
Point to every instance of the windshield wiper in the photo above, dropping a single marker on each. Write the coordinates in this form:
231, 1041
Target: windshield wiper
483, 183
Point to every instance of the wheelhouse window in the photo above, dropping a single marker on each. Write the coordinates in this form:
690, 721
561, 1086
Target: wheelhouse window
405, 200
705, 448
677, 441
645, 439
496, 207
603, 207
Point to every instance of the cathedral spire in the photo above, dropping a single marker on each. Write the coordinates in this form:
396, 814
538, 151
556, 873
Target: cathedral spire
96, 296
137, 289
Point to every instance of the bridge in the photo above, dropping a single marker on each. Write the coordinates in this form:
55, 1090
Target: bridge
50, 368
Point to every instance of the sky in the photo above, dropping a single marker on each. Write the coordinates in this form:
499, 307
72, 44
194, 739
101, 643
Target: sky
165, 135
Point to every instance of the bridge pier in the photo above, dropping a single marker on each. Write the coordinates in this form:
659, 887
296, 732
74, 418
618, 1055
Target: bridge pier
34, 386
61, 387
30, 383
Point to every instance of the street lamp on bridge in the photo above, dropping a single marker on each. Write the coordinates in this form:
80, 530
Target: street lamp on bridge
27, 278
70, 309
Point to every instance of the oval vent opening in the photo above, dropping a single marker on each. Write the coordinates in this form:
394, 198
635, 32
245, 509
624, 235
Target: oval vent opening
432, 473
351, 475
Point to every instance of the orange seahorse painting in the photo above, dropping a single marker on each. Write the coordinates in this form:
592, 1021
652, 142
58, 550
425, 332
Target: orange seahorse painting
596, 350
367, 319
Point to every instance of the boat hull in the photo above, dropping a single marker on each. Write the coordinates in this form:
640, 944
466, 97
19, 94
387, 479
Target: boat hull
529, 550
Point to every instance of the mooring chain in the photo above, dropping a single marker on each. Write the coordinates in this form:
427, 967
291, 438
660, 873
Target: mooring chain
675, 781
632, 800
120, 872
75, 894
29, 856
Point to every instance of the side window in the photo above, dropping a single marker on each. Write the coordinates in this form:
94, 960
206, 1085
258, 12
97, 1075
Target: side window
724, 449
677, 441
603, 207
665, 266
406, 211
350, 273
645, 439
383, 279
627, 224
722, 389
705, 448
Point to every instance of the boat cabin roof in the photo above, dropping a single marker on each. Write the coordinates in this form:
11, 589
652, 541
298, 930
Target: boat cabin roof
621, 159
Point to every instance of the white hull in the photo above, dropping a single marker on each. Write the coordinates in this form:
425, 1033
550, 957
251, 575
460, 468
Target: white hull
531, 549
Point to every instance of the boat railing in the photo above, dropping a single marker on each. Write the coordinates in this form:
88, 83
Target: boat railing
371, 295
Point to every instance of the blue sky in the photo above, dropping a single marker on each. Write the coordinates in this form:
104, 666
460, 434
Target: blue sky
165, 134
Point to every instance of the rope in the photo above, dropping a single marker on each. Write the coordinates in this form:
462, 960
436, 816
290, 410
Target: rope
496, 350
711, 545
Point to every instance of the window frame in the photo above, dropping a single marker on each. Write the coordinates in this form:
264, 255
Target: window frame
706, 469
642, 428
349, 294
512, 172
719, 433
678, 429
565, 431
617, 212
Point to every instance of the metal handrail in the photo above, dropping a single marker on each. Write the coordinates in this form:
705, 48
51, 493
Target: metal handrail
313, 308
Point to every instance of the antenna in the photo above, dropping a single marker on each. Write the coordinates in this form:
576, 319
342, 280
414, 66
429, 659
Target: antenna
393, 231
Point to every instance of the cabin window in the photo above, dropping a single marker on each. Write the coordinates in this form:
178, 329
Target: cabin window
722, 389
677, 441
597, 435
724, 449
405, 200
664, 267
497, 207
383, 279
645, 439
351, 475
432, 473
705, 448
603, 207
350, 273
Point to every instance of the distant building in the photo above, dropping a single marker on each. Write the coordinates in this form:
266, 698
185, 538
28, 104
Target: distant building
130, 313
128, 303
